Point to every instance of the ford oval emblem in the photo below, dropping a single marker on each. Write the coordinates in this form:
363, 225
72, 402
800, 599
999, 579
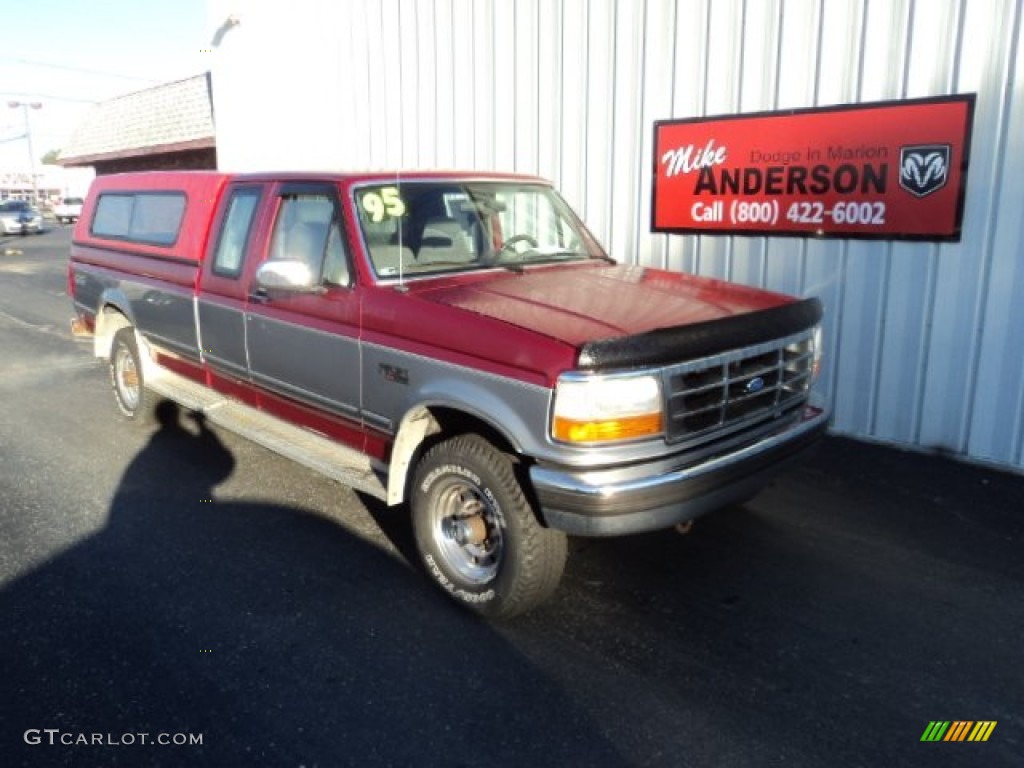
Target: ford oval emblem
754, 386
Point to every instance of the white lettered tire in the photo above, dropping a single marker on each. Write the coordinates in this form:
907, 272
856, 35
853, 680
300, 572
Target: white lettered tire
476, 532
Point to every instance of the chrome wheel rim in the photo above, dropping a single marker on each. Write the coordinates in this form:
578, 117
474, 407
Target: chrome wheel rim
126, 379
466, 531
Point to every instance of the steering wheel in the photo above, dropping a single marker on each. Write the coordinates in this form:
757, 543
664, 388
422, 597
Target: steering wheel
507, 245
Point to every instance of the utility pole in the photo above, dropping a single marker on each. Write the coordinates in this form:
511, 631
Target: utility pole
25, 105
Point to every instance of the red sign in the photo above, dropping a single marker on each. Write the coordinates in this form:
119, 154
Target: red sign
892, 170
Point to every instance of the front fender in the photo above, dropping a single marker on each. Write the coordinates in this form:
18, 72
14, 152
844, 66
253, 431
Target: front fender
514, 410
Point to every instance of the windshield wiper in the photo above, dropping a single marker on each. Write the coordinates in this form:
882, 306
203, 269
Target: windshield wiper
511, 266
553, 256
528, 258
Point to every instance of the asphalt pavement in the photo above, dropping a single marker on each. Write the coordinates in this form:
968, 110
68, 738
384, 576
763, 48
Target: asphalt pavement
177, 583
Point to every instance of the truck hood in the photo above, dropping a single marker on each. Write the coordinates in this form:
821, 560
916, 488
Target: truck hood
581, 303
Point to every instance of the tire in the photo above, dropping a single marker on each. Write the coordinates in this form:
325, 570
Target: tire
133, 400
477, 535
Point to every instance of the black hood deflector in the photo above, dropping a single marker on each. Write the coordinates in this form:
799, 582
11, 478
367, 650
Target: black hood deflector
687, 342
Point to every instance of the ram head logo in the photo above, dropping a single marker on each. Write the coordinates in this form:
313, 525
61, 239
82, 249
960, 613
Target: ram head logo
924, 168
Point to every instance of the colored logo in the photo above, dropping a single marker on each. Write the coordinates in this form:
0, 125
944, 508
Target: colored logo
924, 169
958, 730
754, 386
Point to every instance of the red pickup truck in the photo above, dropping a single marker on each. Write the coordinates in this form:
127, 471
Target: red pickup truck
454, 344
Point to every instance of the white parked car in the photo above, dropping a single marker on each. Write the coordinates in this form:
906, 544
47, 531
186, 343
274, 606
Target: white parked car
69, 210
18, 217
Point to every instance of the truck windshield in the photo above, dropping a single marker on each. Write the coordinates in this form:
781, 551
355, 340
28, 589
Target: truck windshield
426, 227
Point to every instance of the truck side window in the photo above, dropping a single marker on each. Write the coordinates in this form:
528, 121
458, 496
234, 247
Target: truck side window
235, 233
336, 261
307, 230
153, 218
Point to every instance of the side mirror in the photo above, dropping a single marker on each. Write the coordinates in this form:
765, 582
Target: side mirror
287, 275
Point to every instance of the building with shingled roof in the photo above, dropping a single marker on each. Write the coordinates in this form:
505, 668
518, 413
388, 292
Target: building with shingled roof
168, 126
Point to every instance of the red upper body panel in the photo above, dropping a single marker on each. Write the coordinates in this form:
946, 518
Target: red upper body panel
529, 323
593, 300
202, 190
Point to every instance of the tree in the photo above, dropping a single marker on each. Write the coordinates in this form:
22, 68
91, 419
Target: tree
50, 158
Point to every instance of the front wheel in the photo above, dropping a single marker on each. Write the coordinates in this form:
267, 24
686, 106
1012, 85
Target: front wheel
477, 534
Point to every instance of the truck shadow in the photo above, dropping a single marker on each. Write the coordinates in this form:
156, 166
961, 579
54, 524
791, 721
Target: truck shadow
276, 634
858, 594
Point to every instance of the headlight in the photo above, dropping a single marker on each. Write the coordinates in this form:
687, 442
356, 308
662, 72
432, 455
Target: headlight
601, 409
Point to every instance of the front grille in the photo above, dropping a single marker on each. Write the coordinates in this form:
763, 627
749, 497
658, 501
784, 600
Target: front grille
725, 393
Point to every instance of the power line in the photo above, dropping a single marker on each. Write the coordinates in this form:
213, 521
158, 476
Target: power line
81, 70
49, 97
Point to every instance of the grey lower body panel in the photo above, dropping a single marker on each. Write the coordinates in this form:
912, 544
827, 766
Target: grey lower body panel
655, 495
317, 452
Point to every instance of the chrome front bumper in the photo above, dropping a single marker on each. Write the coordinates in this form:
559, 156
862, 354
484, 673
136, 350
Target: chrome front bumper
654, 495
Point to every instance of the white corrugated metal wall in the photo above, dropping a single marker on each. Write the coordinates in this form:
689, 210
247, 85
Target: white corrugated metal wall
925, 341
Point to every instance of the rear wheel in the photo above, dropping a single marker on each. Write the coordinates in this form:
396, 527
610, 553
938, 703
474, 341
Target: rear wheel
477, 533
133, 400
